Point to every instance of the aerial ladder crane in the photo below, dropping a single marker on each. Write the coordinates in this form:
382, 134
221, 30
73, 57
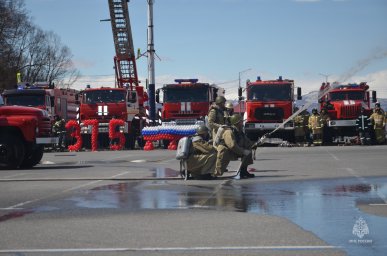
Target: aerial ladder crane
125, 60
126, 100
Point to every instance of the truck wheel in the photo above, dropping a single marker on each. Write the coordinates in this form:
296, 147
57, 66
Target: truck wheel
33, 157
12, 152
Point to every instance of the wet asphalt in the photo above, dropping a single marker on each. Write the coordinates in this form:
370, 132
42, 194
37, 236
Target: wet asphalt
332, 199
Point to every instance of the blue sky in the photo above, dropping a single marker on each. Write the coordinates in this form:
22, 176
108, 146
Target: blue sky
214, 40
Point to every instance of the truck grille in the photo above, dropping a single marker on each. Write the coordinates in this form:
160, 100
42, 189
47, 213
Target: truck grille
45, 127
269, 114
350, 111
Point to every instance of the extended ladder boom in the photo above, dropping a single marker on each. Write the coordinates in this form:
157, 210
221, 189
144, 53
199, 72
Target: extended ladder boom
125, 61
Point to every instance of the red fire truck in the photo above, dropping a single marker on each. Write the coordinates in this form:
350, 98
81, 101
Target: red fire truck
124, 101
343, 103
268, 104
187, 101
42, 95
23, 132
104, 104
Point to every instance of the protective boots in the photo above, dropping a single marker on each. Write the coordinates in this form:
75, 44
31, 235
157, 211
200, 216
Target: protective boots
244, 174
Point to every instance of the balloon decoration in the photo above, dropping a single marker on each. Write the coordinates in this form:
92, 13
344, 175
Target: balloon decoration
167, 131
114, 134
94, 133
75, 133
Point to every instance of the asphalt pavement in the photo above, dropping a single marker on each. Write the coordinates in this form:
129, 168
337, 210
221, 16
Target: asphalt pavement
303, 201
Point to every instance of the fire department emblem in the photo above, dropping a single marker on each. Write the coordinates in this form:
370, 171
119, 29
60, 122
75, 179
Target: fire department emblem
360, 228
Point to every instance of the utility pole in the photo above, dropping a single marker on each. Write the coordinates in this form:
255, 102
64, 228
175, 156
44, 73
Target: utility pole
151, 65
240, 88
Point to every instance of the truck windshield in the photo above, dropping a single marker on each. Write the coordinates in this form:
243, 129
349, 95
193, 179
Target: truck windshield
269, 92
26, 100
348, 95
185, 94
104, 96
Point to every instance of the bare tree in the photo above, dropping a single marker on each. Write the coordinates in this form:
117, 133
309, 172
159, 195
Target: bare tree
25, 48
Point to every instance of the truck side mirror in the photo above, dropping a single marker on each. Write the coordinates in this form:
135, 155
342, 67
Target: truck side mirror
239, 92
299, 96
158, 95
374, 98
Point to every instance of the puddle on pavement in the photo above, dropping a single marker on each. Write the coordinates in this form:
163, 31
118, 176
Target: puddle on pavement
327, 208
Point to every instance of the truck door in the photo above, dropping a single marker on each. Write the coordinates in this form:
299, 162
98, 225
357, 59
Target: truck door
50, 105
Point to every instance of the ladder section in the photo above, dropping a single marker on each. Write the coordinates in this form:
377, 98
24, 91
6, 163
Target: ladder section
125, 65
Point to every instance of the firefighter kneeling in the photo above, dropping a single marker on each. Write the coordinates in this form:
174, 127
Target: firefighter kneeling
202, 156
232, 144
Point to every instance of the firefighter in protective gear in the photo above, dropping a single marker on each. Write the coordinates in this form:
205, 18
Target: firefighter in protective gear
316, 127
326, 137
363, 127
233, 145
202, 157
216, 115
299, 129
306, 115
228, 112
378, 122
59, 129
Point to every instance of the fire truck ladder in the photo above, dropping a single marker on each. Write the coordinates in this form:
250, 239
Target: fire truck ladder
125, 63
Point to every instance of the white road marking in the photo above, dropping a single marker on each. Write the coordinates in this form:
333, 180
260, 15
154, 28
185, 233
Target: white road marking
378, 204
334, 157
138, 161
360, 178
154, 249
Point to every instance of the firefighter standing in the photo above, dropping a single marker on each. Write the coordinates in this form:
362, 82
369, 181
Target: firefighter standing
59, 129
363, 127
299, 128
326, 136
306, 115
378, 122
316, 127
233, 145
228, 112
138, 123
202, 159
216, 115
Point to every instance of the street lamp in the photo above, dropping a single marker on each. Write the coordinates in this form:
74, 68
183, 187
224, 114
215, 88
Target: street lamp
326, 77
240, 88
239, 75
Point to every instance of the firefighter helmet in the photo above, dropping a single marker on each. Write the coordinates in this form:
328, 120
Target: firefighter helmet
229, 105
220, 100
235, 119
202, 129
314, 111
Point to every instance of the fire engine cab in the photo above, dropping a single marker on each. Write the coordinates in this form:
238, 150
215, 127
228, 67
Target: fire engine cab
343, 103
187, 101
42, 95
268, 104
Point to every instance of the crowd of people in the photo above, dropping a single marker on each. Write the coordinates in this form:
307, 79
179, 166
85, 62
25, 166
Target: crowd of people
314, 129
